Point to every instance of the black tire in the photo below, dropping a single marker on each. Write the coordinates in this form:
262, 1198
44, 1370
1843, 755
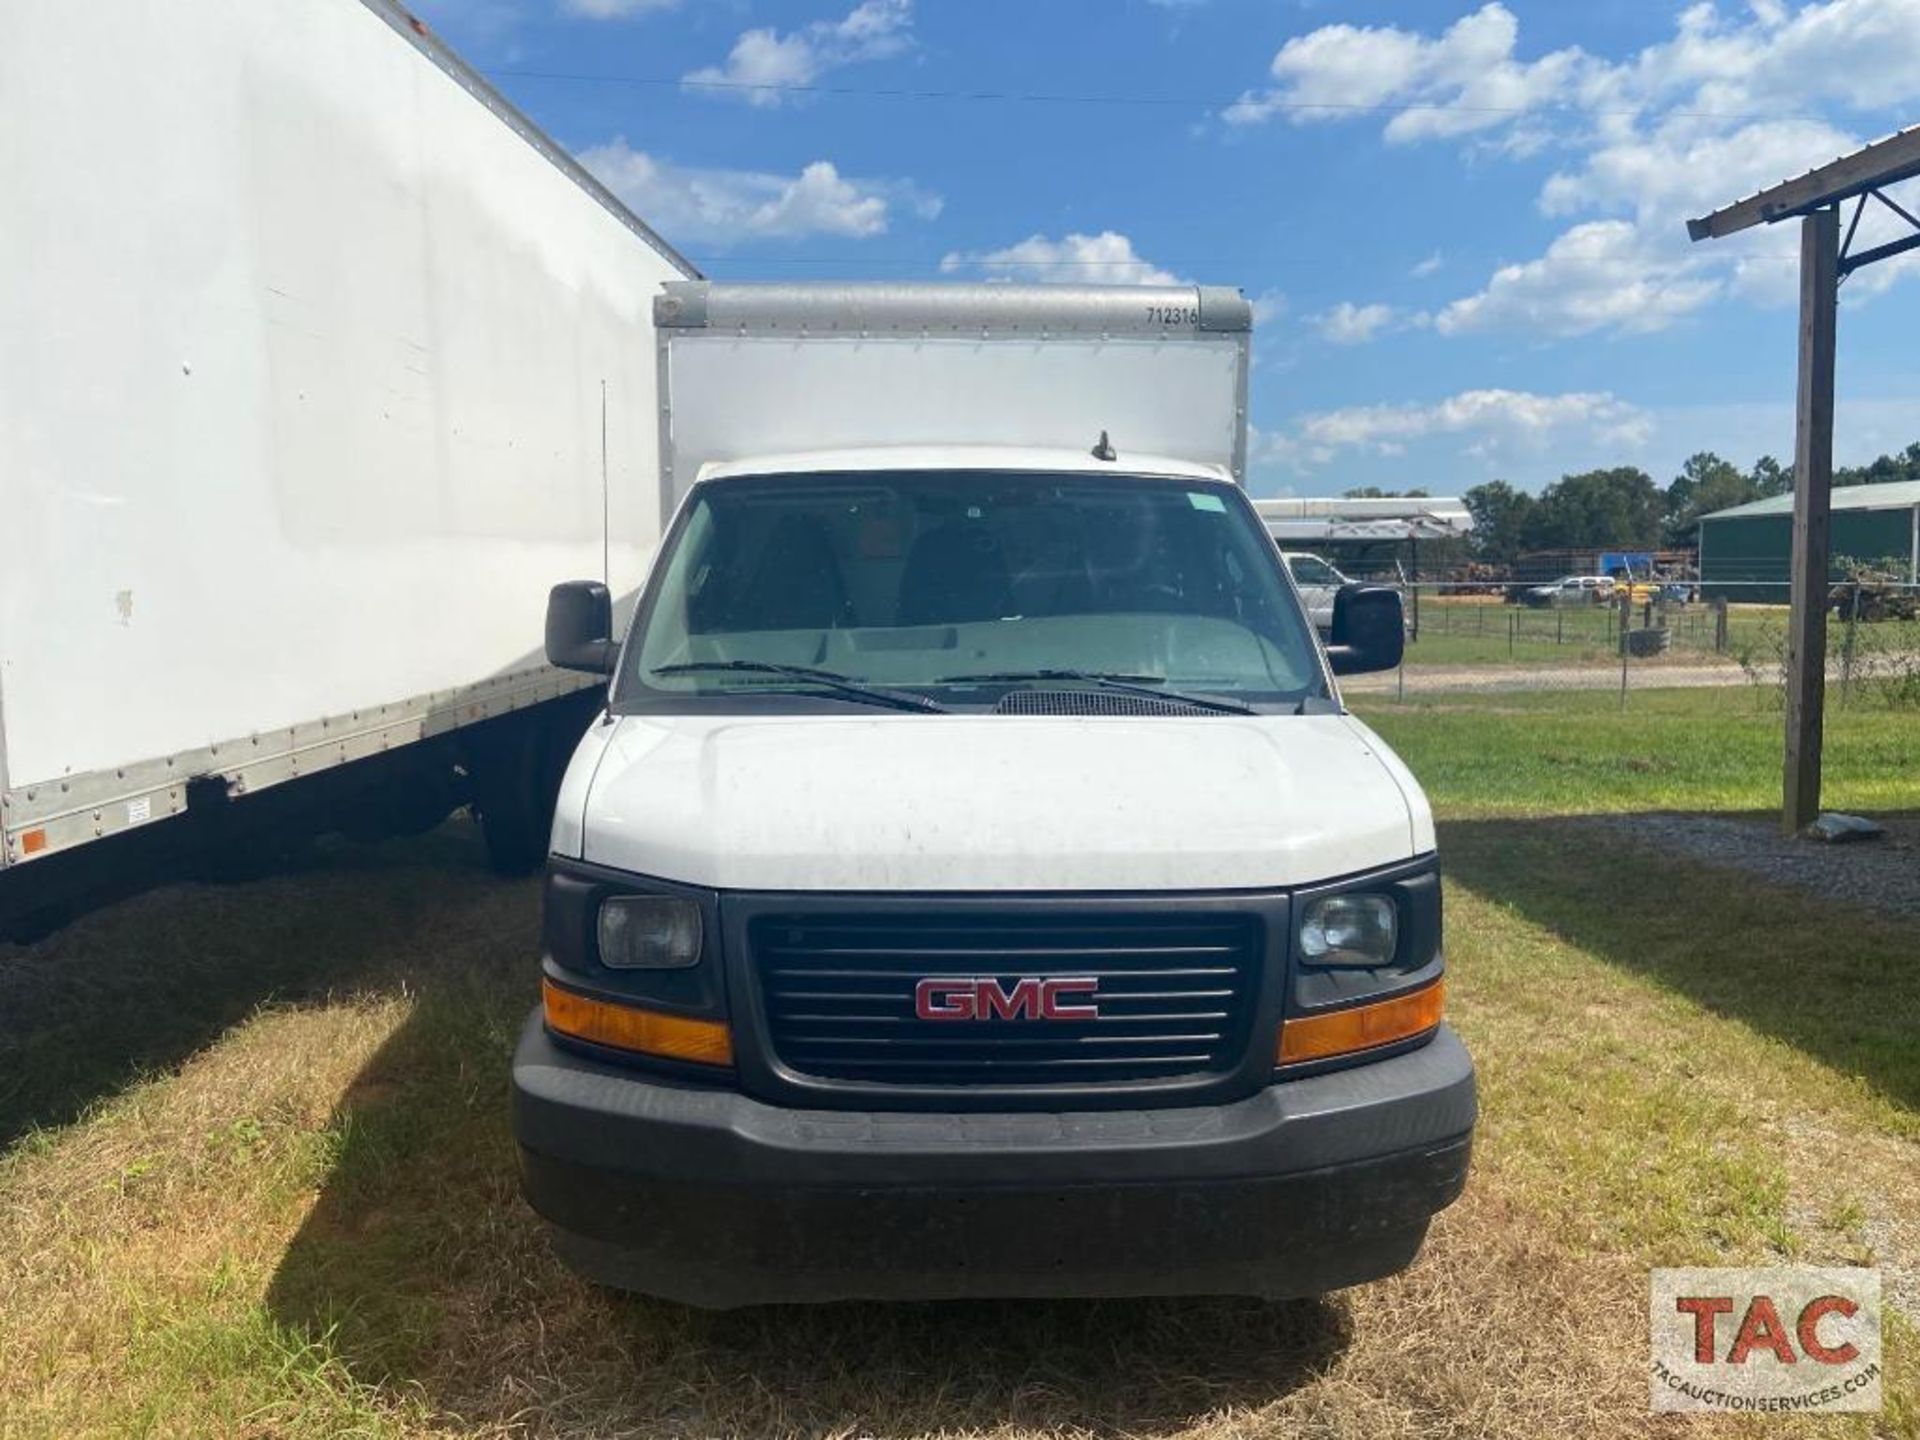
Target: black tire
516, 781
514, 822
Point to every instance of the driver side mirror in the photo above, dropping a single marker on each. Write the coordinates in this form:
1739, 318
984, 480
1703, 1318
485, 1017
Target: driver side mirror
1369, 629
580, 627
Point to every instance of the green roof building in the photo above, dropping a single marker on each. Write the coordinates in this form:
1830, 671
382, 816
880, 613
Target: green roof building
1745, 551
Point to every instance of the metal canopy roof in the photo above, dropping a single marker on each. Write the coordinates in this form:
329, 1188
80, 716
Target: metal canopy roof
1885, 162
1438, 517
1897, 495
1861, 176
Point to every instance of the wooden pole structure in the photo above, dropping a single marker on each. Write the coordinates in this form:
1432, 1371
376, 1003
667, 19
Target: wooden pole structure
1815, 199
1812, 508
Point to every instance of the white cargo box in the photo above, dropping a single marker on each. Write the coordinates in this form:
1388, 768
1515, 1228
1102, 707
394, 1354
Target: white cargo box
748, 371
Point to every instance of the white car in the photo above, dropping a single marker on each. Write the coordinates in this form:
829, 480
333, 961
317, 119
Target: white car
1318, 582
1571, 590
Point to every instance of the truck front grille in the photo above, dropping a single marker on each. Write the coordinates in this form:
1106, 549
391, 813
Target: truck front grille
1173, 994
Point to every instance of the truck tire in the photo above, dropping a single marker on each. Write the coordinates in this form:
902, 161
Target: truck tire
513, 822
517, 769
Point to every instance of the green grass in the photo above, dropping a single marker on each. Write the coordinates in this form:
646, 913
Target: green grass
262, 1182
1571, 752
1487, 631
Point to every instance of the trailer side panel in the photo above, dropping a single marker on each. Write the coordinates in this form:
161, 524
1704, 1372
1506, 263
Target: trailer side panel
305, 367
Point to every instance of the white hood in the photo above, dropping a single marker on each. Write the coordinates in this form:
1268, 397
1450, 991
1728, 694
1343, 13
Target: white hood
990, 802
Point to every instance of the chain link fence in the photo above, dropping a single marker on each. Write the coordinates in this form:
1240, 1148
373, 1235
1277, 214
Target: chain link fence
1627, 637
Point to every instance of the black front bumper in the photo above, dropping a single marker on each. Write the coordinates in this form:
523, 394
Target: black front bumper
708, 1196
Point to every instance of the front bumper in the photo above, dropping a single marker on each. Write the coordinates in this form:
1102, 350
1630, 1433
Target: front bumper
710, 1197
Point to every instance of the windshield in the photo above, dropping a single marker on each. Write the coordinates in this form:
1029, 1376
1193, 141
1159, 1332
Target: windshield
960, 585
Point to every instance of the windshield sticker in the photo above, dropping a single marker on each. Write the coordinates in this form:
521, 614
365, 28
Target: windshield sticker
1207, 502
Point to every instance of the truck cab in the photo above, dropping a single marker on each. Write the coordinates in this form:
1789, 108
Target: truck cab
976, 887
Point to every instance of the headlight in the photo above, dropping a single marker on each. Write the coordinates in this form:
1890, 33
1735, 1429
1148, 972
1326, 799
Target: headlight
649, 932
1358, 930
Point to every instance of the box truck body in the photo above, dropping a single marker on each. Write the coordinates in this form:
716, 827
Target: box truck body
317, 363
975, 885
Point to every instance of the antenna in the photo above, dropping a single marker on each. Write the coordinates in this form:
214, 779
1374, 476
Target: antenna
1103, 449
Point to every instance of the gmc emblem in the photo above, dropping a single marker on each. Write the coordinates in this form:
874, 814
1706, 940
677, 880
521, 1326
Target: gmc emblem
985, 998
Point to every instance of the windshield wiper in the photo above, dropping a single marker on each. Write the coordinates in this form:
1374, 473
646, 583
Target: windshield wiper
1151, 686
832, 679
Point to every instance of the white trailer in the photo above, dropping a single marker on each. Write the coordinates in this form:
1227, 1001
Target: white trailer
318, 362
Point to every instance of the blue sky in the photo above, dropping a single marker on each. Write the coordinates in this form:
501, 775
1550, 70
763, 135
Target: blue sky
1462, 222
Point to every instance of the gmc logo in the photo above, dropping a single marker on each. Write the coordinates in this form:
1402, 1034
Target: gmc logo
984, 998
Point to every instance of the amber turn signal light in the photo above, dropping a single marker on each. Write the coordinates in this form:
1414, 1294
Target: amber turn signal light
1363, 1027
628, 1027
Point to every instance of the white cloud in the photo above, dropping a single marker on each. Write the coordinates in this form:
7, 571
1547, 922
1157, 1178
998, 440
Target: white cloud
1489, 420
1464, 80
764, 66
1350, 324
615, 9
1268, 306
692, 204
1597, 276
1671, 131
1104, 259
1429, 266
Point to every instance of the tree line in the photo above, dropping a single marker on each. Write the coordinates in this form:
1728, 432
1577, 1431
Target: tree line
1625, 509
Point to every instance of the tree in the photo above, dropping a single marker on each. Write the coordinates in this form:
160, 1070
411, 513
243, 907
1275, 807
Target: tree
1706, 483
1619, 508
1887, 470
1770, 478
1374, 492
1499, 520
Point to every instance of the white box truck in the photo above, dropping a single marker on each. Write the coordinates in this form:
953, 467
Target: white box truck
975, 885
317, 362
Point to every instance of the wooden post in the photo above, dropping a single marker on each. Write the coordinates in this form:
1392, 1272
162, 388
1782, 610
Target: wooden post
1812, 502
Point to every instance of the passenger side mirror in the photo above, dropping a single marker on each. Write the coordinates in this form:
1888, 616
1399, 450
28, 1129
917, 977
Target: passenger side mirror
1369, 629
580, 627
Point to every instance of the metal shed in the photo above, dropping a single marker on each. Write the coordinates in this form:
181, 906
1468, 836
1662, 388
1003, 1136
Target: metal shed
1746, 551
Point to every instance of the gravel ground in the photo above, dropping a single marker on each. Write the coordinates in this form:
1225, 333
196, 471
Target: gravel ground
1881, 874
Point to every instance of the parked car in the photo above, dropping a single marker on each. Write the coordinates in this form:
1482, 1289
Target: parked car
1570, 590
1318, 581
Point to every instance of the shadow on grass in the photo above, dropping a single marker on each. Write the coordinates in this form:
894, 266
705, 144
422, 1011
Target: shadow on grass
139, 986
1834, 980
422, 1269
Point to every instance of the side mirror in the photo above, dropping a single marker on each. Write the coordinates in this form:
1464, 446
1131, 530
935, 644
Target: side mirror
580, 627
1369, 629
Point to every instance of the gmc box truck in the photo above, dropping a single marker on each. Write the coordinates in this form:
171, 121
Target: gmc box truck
975, 885
317, 361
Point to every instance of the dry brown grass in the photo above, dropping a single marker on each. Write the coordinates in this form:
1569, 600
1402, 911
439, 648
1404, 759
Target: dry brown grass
308, 1223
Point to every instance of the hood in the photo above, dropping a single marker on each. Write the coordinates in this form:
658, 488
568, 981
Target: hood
989, 802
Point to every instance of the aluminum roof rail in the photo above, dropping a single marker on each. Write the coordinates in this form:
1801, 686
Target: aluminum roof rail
1172, 311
